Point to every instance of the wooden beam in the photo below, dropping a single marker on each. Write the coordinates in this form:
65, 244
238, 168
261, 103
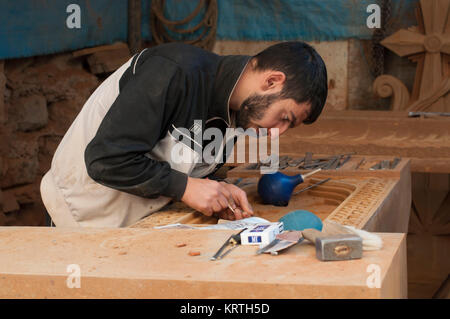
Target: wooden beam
105, 58
109, 47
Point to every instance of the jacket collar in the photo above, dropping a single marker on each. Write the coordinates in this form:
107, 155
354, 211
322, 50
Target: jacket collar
228, 73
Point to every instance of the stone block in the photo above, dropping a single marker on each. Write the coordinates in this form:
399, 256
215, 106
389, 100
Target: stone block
10, 203
21, 161
2, 92
30, 113
145, 263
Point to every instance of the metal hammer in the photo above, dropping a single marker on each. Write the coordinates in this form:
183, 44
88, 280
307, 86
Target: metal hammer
334, 246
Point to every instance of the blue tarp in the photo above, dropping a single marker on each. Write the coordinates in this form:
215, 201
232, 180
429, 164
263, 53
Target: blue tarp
36, 27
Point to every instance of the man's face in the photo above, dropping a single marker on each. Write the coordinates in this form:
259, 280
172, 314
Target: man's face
271, 111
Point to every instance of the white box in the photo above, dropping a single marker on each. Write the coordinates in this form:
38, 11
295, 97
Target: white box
261, 234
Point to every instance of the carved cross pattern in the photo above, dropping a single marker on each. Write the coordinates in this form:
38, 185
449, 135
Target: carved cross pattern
429, 46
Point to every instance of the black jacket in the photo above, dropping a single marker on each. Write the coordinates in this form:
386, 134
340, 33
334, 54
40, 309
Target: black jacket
165, 87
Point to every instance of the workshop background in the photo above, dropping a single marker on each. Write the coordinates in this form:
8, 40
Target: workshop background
48, 70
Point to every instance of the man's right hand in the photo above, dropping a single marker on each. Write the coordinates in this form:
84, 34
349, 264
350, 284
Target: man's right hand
208, 196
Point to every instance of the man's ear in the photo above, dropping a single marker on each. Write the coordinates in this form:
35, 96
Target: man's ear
274, 81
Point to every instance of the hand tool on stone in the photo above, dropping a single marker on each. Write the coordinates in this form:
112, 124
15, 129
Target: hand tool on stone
276, 189
312, 186
296, 162
334, 163
370, 241
234, 212
308, 157
346, 159
236, 183
293, 223
377, 166
327, 162
427, 114
360, 163
395, 162
334, 247
233, 241
283, 162
282, 241
385, 164
314, 164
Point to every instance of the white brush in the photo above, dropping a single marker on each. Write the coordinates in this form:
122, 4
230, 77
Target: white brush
370, 241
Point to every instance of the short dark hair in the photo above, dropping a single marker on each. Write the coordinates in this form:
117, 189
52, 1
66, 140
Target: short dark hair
306, 73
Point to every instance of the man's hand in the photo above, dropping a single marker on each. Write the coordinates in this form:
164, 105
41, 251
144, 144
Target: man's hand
239, 203
211, 197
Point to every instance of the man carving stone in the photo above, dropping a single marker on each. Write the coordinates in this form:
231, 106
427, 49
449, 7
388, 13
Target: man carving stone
115, 165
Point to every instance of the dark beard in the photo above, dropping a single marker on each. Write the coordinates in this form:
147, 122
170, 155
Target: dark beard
254, 108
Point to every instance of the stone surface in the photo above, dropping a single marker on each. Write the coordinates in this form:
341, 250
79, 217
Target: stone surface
30, 112
42, 97
9, 203
425, 140
2, 91
142, 263
22, 162
376, 201
57, 77
47, 147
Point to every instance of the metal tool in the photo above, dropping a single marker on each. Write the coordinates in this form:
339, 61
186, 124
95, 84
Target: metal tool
386, 164
395, 162
296, 162
375, 167
335, 247
308, 157
294, 223
360, 163
333, 162
427, 114
312, 186
232, 209
281, 242
346, 159
276, 189
233, 241
306, 163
